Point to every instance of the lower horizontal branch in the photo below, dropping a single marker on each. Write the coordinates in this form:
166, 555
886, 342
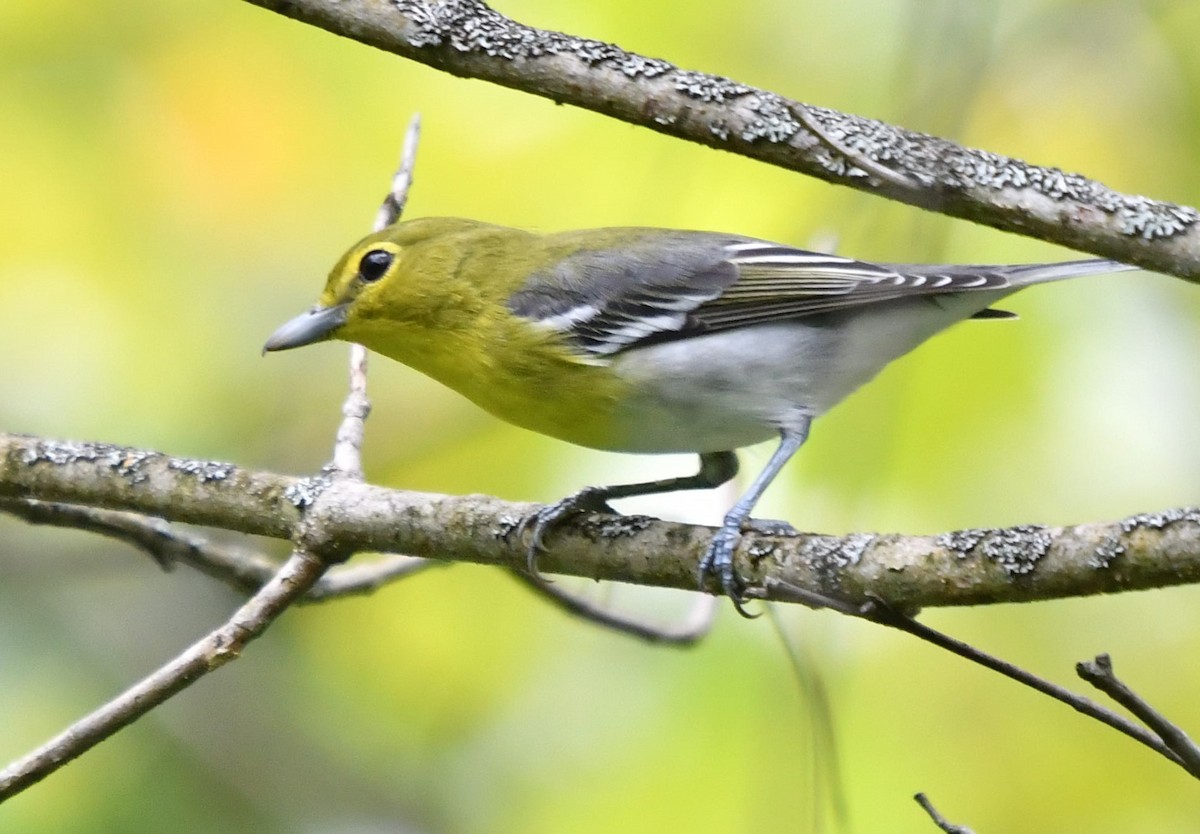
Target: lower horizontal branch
342, 517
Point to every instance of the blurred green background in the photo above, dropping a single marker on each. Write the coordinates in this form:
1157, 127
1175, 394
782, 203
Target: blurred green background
177, 178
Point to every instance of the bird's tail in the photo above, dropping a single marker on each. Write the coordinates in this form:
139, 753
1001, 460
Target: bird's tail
1023, 275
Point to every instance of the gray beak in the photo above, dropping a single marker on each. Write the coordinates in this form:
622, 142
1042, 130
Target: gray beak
316, 325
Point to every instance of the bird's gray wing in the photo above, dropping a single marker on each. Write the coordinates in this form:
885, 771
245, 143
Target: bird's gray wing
658, 285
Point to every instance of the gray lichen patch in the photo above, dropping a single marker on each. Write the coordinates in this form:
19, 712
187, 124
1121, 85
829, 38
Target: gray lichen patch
708, 88
305, 492
962, 542
593, 526
507, 525
635, 66
1157, 521
828, 553
203, 470
772, 120
854, 546
470, 26
597, 526
1107, 552
935, 162
1016, 550
759, 549
128, 463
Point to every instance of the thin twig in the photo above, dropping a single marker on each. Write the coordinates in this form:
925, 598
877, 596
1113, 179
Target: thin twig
939, 820
695, 625
347, 450
296, 578
222, 645
858, 160
243, 570
882, 614
1099, 673
357, 580
396, 199
878, 612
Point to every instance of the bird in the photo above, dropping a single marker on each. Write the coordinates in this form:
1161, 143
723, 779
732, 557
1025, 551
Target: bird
647, 340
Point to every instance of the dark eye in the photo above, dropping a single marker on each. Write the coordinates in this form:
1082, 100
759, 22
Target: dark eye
374, 264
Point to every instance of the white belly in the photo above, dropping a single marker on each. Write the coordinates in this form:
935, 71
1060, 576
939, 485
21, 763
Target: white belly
734, 388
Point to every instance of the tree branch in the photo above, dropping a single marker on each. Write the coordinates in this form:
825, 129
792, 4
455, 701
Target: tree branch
241, 569
965, 567
1158, 734
466, 38
311, 557
694, 627
938, 820
1099, 673
206, 655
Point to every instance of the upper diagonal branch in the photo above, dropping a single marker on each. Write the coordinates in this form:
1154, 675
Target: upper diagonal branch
341, 516
466, 38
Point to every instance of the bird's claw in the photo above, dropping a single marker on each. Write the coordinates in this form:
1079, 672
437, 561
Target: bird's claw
718, 562
535, 525
589, 499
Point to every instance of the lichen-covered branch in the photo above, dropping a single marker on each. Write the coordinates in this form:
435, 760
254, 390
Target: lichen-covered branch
339, 517
467, 38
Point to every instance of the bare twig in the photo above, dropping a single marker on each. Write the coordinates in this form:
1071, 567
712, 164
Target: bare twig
241, 569
938, 819
854, 157
693, 627
879, 612
357, 580
1099, 673
347, 450
293, 581
222, 645
397, 197
885, 615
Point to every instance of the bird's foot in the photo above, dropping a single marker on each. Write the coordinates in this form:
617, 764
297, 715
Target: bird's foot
588, 499
718, 563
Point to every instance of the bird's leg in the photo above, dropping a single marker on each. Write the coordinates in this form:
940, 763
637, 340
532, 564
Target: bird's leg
719, 559
715, 469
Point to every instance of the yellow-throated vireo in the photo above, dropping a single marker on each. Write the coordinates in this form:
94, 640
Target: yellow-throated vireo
646, 340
